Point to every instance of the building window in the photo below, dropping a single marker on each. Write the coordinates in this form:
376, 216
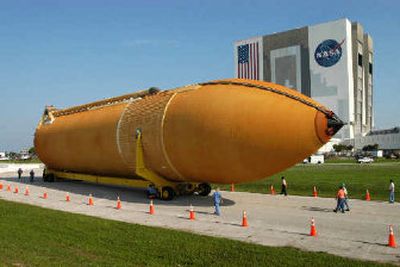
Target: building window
370, 68
359, 60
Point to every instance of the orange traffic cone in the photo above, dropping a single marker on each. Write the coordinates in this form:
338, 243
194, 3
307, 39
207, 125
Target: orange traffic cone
367, 196
151, 211
8, 188
16, 190
90, 203
191, 213
392, 241
119, 206
26, 191
313, 231
272, 190
67, 197
315, 192
1, 186
244, 219
45, 195
232, 187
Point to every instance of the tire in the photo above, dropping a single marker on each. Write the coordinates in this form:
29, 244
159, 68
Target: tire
50, 178
167, 193
204, 189
186, 189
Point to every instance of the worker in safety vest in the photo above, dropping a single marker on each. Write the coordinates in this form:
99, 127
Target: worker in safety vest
340, 196
346, 198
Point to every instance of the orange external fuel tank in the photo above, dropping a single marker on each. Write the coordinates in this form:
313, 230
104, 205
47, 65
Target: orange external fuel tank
227, 131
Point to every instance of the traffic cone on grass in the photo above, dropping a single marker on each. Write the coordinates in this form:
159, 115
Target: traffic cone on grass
91, 202
367, 196
151, 211
232, 187
191, 213
67, 197
16, 190
315, 192
272, 190
392, 241
313, 231
244, 219
26, 191
119, 206
45, 195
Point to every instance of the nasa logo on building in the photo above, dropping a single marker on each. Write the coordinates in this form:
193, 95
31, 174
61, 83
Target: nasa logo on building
328, 53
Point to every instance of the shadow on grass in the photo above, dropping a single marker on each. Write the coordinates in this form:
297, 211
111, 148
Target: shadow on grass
110, 192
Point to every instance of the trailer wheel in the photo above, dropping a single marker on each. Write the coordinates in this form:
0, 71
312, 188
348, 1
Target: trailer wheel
204, 189
50, 178
167, 193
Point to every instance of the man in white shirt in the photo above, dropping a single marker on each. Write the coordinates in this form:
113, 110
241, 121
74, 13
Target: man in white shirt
284, 186
391, 191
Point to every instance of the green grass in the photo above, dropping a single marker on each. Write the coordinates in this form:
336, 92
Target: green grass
327, 177
33, 236
36, 160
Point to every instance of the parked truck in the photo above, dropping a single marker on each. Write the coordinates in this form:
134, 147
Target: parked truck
314, 159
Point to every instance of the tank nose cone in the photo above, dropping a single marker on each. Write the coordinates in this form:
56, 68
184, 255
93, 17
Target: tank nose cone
334, 124
327, 125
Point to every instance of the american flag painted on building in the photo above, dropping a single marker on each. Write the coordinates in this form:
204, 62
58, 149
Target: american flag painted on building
248, 61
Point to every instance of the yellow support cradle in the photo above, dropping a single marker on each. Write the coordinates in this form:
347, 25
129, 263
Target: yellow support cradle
142, 171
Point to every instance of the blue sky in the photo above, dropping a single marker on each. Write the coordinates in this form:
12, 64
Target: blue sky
70, 52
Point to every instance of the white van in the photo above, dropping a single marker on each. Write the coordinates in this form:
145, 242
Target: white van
314, 159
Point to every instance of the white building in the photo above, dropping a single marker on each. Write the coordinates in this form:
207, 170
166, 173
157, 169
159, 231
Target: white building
3, 156
387, 140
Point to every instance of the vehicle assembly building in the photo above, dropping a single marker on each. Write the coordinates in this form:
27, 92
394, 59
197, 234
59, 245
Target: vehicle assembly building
330, 62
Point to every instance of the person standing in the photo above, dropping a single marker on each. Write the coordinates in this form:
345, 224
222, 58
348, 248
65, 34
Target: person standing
391, 191
346, 198
217, 201
32, 176
152, 192
340, 200
20, 171
284, 186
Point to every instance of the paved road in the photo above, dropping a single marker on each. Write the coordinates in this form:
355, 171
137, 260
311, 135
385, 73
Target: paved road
273, 220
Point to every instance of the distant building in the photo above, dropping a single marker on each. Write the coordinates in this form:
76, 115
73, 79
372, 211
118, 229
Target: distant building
3, 156
328, 147
388, 140
331, 62
24, 154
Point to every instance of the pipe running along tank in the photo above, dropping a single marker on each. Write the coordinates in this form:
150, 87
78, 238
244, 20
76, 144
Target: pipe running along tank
180, 140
